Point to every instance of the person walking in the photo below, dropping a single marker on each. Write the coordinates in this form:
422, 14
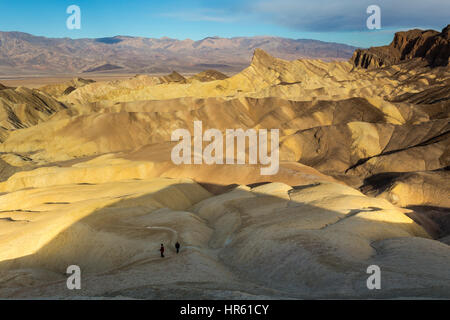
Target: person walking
177, 246
162, 250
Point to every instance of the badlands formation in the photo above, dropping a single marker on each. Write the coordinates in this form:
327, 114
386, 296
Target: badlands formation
87, 179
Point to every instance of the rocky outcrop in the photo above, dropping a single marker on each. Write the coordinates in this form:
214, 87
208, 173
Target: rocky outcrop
429, 45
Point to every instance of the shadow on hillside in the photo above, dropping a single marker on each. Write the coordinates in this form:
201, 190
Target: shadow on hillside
434, 219
299, 258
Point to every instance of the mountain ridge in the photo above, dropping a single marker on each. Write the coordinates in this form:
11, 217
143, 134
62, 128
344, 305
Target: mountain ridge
430, 45
23, 53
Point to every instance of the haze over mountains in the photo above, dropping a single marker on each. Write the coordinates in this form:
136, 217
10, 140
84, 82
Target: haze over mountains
22, 53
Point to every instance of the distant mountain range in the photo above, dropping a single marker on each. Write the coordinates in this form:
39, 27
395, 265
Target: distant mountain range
26, 54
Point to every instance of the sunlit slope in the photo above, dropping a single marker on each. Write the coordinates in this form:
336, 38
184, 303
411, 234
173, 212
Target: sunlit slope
104, 127
268, 76
283, 241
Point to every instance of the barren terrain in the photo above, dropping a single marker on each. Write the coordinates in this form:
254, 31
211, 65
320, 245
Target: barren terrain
86, 178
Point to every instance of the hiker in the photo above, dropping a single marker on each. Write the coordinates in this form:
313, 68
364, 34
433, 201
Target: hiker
162, 250
177, 246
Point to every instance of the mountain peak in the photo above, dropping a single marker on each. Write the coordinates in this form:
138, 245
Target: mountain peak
261, 57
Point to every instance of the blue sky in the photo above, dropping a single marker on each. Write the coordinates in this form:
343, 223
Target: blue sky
341, 21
